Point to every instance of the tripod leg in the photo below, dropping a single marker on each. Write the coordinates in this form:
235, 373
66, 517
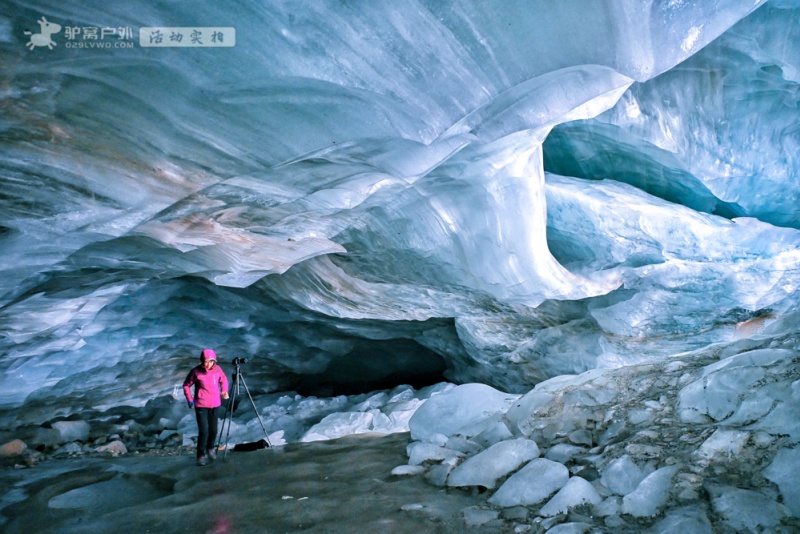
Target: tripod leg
269, 443
225, 419
229, 413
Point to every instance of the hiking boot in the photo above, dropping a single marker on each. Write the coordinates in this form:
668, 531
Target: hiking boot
201, 460
212, 454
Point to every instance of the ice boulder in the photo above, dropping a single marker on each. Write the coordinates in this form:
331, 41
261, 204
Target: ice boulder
746, 510
420, 452
72, 430
487, 467
464, 405
651, 493
622, 476
723, 445
690, 520
576, 491
784, 471
337, 425
532, 484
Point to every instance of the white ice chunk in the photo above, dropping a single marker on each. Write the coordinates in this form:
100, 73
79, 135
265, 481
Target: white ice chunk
337, 425
574, 527
563, 452
420, 452
408, 470
717, 395
72, 430
783, 420
493, 432
457, 443
487, 467
459, 407
576, 491
651, 494
610, 506
785, 472
532, 484
622, 476
684, 521
723, 445
746, 510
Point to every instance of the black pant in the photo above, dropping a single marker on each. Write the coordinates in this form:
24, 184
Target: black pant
206, 429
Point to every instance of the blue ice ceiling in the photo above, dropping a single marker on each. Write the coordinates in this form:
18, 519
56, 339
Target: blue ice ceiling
371, 193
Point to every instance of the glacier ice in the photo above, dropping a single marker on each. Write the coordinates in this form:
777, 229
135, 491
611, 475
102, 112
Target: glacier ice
535, 482
583, 215
331, 178
576, 492
651, 494
496, 462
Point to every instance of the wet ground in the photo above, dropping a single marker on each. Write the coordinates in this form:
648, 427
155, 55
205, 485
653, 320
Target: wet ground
338, 486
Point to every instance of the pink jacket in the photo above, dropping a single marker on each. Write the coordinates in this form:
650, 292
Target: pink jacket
208, 386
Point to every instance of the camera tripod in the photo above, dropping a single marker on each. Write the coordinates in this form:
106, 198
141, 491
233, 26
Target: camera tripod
238, 378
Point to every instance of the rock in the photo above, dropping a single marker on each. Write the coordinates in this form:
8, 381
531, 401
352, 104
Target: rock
12, 448
45, 437
72, 430
72, 447
115, 448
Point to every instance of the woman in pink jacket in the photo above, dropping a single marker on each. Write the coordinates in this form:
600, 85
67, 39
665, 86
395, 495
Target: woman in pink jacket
210, 387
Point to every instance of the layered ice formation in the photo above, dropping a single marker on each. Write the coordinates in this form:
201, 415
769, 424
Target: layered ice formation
367, 200
361, 197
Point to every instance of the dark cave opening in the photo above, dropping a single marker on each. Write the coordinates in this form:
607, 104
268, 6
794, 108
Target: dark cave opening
375, 365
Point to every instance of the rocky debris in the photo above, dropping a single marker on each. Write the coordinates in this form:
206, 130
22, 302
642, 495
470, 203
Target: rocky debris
703, 442
114, 448
120, 431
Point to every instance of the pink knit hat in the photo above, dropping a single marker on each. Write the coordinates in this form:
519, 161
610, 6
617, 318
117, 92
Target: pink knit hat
207, 355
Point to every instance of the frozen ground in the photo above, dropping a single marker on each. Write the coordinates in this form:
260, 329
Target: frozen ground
341, 485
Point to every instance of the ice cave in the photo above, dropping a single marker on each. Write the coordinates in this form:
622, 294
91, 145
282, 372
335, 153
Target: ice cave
549, 250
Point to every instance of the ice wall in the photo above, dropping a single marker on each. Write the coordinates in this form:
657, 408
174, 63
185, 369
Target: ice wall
356, 194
